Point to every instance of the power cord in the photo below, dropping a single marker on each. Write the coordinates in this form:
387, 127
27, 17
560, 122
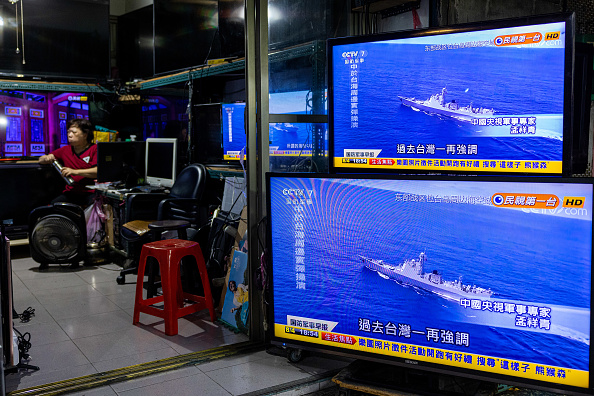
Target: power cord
24, 344
26, 315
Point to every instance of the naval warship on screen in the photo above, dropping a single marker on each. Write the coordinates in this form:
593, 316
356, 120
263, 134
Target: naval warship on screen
437, 104
411, 273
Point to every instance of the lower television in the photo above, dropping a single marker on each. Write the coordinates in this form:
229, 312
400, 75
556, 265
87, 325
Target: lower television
483, 277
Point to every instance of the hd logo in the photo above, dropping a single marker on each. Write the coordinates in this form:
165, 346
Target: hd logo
573, 202
552, 36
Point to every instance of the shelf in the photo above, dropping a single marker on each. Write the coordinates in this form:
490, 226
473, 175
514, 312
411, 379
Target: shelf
234, 65
53, 86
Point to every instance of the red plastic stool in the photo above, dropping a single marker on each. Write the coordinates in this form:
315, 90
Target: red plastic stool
169, 253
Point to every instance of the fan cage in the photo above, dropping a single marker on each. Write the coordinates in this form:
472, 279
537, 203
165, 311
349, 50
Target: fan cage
56, 238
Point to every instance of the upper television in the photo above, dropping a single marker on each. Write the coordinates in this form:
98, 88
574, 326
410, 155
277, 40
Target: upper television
185, 34
50, 39
492, 97
487, 277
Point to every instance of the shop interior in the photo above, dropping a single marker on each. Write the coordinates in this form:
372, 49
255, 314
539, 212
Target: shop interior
193, 104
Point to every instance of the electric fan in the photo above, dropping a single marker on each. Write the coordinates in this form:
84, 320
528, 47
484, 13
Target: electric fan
58, 234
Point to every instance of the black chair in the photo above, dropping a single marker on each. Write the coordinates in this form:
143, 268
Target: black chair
183, 205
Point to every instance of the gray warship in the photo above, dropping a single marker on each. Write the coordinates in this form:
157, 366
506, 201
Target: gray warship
437, 104
411, 273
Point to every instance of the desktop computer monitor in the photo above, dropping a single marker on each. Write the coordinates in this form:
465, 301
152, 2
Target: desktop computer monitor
121, 162
161, 160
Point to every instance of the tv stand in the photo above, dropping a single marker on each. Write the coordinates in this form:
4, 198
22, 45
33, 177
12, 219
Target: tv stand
364, 377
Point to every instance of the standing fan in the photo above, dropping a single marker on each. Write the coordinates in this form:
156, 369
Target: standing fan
58, 234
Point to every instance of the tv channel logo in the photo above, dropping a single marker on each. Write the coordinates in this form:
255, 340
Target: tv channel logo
573, 202
552, 36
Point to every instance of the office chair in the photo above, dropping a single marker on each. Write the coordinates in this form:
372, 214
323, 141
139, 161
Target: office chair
184, 202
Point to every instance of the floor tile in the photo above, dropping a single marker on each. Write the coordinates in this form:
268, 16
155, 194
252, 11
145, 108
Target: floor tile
62, 372
232, 361
190, 345
171, 377
110, 287
65, 308
259, 374
73, 292
17, 283
124, 300
56, 282
228, 338
22, 293
94, 275
91, 325
126, 342
30, 270
56, 356
42, 333
101, 391
198, 384
41, 315
132, 360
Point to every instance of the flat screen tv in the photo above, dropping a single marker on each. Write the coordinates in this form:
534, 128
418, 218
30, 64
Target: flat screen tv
462, 99
487, 277
50, 39
233, 131
185, 34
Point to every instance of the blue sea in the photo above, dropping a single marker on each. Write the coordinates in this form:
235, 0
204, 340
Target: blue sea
542, 259
512, 81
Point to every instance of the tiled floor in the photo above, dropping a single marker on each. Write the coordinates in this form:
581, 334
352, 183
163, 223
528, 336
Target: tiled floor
83, 325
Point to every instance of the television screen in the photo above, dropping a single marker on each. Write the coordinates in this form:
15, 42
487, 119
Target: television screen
51, 39
460, 99
185, 34
483, 276
233, 129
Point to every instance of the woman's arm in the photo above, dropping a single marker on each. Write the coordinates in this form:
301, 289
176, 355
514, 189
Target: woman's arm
47, 159
91, 173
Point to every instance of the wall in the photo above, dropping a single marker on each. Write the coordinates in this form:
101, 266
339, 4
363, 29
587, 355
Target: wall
405, 21
119, 7
462, 11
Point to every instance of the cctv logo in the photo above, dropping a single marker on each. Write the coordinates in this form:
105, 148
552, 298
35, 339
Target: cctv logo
573, 202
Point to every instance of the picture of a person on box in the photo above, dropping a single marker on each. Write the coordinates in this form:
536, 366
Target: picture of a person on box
240, 294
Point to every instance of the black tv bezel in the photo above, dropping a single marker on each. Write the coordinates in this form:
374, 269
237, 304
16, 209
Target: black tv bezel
272, 339
568, 18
